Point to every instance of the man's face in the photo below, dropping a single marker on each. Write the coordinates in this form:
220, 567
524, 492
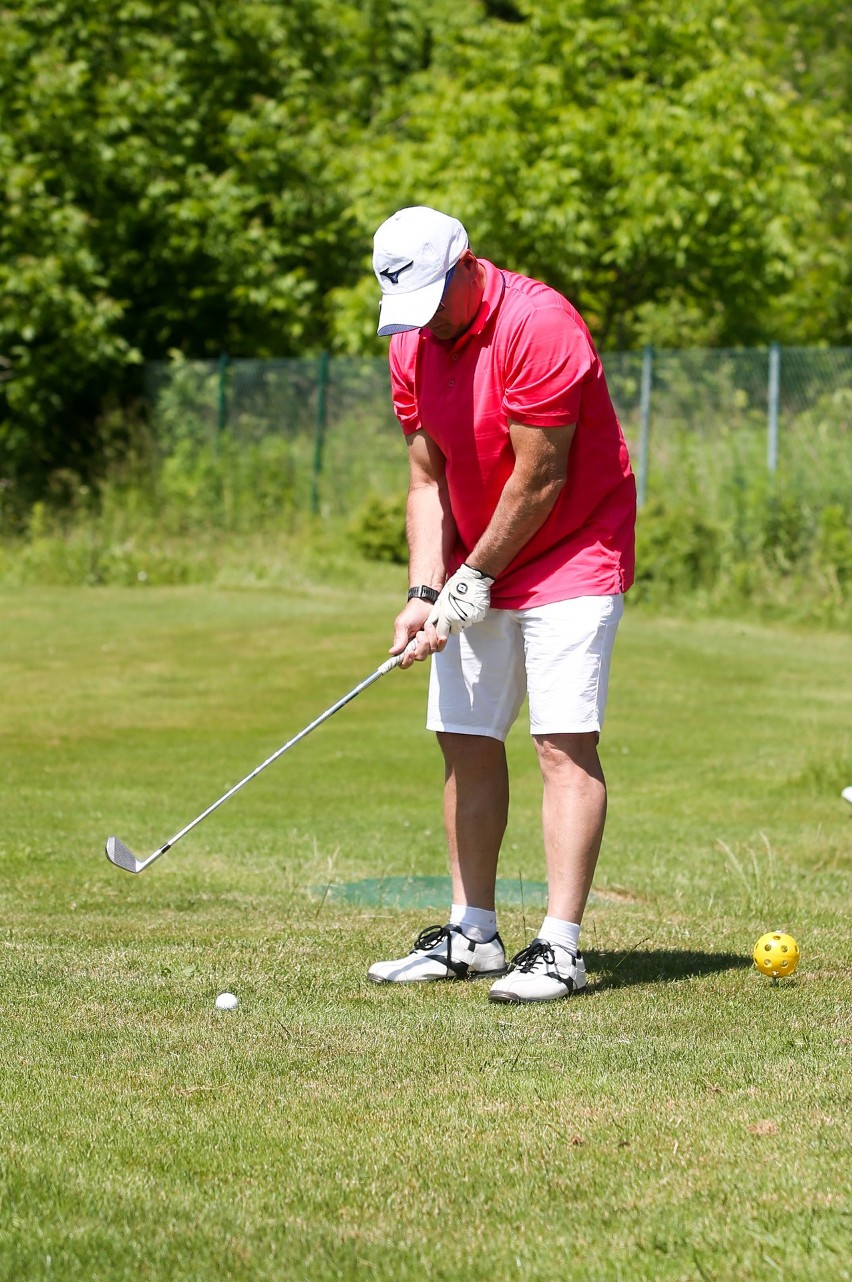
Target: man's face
460, 301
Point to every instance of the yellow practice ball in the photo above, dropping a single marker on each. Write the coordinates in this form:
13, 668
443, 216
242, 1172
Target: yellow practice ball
776, 954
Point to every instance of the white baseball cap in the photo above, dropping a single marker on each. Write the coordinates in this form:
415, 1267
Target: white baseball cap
412, 253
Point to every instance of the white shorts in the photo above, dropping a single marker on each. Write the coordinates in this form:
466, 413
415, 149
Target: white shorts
558, 654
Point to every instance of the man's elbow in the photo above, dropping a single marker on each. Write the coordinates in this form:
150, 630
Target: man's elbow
547, 488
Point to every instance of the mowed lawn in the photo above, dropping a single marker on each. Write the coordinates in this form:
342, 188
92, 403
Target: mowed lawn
687, 1119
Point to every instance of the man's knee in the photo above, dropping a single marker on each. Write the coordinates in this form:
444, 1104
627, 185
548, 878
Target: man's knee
470, 748
567, 754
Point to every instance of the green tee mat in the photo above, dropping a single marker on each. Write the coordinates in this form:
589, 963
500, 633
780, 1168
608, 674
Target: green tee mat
427, 892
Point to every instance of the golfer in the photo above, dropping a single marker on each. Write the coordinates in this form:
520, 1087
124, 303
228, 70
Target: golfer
520, 523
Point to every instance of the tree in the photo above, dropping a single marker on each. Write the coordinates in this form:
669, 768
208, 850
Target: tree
200, 176
637, 155
170, 179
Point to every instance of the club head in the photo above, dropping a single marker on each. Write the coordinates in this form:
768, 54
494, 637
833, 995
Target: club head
120, 855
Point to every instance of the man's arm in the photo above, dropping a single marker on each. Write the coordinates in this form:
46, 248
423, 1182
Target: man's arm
429, 524
539, 473
431, 534
529, 495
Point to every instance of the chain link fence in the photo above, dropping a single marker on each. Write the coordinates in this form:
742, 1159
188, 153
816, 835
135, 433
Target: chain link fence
704, 426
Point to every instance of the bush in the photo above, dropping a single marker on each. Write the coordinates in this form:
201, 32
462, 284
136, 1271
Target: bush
379, 531
230, 487
241, 510
776, 553
834, 544
677, 551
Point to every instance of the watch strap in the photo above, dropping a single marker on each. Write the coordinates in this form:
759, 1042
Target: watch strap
424, 593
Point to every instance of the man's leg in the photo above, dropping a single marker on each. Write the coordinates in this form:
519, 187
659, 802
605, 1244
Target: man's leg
476, 689
573, 815
476, 809
569, 645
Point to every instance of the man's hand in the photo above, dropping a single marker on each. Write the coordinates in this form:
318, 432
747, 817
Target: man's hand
407, 625
465, 599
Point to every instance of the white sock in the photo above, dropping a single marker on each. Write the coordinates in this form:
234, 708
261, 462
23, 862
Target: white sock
566, 933
478, 924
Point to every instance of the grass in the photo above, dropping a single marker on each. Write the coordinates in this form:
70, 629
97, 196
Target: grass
687, 1120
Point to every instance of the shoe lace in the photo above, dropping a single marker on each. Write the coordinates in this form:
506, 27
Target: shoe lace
538, 950
431, 937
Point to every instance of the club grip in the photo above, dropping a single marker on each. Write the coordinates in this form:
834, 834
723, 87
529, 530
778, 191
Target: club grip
396, 659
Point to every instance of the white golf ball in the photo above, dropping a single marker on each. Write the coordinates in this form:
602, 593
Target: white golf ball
227, 1001
846, 794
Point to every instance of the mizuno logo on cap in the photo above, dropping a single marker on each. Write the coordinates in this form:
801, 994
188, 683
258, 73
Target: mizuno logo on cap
393, 276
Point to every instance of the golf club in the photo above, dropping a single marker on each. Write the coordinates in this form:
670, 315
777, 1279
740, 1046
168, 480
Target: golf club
123, 857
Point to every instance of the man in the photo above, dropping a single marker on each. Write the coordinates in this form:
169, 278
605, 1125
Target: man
520, 519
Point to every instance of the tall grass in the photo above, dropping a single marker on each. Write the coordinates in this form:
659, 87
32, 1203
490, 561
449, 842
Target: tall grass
248, 505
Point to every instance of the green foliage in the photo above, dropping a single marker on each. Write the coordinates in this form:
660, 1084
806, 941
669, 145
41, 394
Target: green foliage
776, 554
677, 552
784, 530
638, 157
122, 542
379, 530
233, 487
235, 516
167, 182
207, 176
834, 546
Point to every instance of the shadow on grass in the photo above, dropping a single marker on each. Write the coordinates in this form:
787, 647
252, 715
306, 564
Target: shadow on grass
656, 966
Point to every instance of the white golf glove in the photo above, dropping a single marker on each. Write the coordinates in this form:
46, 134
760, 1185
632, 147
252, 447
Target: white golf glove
464, 599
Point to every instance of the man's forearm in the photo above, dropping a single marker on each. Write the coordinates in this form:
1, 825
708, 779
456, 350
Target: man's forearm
431, 534
520, 513
529, 495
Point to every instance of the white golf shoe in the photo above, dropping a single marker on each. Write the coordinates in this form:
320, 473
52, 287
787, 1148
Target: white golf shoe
443, 952
541, 972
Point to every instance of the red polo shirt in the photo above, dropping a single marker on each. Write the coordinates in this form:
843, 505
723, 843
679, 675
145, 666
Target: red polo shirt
527, 358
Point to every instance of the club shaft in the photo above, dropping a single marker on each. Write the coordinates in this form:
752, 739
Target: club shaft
381, 671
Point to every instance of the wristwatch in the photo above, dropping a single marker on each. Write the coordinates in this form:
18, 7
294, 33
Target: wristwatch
424, 593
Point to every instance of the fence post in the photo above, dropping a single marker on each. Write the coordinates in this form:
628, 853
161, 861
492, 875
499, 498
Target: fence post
221, 400
774, 395
644, 424
321, 423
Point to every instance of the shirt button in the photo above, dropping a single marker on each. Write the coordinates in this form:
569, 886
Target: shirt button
455, 356
451, 383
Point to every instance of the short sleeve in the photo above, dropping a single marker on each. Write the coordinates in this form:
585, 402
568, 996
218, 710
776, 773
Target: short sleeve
402, 363
549, 359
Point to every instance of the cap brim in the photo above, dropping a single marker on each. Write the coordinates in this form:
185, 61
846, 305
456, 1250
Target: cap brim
400, 312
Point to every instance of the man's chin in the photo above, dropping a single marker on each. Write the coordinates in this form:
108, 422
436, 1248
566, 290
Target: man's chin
443, 333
